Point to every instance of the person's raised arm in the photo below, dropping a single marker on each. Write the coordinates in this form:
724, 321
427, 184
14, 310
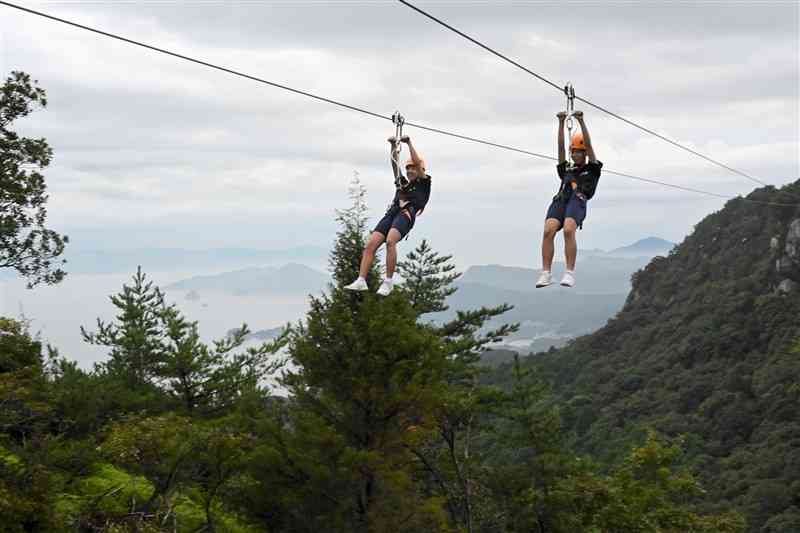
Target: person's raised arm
587, 140
392, 144
415, 158
562, 153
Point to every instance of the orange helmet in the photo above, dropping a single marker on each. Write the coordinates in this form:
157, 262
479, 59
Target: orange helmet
410, 163
577, 142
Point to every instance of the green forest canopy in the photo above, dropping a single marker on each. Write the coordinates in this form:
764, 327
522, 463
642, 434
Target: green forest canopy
389, 425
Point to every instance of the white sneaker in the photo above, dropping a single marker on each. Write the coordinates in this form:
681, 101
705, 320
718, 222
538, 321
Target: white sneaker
568, 280
386, 287
544, 280
358, 285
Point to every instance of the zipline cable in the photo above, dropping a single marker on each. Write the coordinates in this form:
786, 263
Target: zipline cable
362, 110
584, 100
193, 60
267, 82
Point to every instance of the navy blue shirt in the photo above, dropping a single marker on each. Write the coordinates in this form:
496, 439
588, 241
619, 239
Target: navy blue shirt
585, 176
417, 192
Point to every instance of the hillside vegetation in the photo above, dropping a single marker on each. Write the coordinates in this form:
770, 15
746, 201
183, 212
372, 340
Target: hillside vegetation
387, 426
705, 347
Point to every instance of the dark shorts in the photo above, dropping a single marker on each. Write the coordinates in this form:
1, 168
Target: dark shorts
400, 219
574, 208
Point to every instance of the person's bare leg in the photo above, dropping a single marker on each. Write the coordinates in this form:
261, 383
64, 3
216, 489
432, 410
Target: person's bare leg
570, 243
391, 261
551, 227
374, 242
391, 251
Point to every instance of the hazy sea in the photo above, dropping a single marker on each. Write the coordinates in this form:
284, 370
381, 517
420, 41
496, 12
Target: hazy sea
56, 313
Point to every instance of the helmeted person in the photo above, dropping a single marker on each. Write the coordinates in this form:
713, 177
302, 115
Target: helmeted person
411, 196
568, 208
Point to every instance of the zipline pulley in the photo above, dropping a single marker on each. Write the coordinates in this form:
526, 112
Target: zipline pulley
398, 121
569, 92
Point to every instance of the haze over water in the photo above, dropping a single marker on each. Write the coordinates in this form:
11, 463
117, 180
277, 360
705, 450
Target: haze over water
58, 312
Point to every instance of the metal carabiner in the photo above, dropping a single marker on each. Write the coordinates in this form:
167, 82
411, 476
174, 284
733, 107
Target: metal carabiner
398, 121
569, 91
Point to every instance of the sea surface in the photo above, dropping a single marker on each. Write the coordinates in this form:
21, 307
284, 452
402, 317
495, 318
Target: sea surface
56, 313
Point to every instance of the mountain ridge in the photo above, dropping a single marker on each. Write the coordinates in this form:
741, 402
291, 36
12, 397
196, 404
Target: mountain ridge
93, 261
651, 246
292, 277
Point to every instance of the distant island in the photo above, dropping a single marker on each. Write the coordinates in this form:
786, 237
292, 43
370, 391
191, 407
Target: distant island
261, 335
290, 278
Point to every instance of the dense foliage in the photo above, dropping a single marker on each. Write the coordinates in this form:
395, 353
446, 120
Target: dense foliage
386, 425
705, 348
26, 245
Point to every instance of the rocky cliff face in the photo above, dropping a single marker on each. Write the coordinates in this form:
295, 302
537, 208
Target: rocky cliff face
787, 262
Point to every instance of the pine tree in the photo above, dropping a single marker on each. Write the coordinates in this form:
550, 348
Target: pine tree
386, 390
137, 338
26, 245
211, 378
446, 451
363, 371
529, 457
351, 239
153, 344
367, 376
427, 279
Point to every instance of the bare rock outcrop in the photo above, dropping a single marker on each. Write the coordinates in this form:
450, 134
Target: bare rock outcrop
787, 264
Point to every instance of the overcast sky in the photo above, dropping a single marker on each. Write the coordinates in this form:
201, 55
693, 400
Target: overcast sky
151, 151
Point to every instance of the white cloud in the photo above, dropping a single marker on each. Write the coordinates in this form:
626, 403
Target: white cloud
143, 140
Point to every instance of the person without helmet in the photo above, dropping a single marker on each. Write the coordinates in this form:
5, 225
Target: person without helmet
568, 209
412, 193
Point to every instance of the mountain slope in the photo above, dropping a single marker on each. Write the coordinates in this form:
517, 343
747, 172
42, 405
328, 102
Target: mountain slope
287, 279
597, 274
556, 310
649, 247
85, 261
705, 346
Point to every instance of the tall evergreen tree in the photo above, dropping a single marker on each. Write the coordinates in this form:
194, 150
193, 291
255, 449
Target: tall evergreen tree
427, 279
351, 239
26, 245
373, 382
153, 345
447, 451
363, 372
137, 338
367, 376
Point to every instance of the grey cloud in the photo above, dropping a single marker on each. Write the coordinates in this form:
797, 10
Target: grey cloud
361, 23
145, 143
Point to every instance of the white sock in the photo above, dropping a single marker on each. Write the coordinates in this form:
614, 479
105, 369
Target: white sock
388, 280
570, 272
